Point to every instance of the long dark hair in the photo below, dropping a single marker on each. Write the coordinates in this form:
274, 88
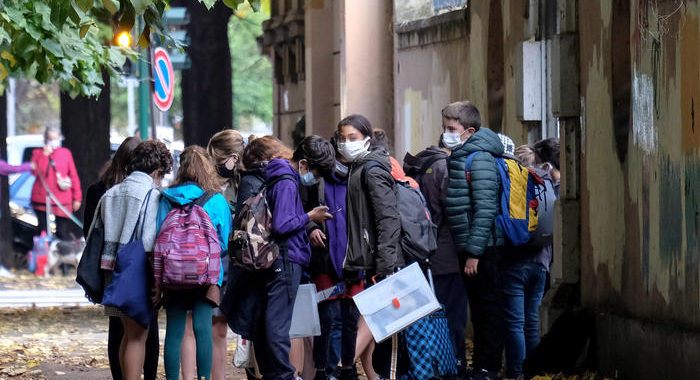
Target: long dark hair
360, 123
115, 172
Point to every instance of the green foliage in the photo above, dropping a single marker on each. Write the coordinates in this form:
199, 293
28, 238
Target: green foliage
252, 72
64, 40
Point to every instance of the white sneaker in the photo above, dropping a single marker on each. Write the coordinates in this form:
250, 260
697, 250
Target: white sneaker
4, 273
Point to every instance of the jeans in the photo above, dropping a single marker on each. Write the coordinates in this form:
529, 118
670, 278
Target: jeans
338, 334
523, 287
450, 292
485, 303
272, 343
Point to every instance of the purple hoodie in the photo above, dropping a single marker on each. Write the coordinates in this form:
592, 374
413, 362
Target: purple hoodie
335, 192
288, 217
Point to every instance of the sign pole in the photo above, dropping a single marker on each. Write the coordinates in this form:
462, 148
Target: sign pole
144, 91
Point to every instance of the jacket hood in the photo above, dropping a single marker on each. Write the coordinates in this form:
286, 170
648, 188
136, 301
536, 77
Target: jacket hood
483, 140
183, 194
277, 168
258, 170
379, 155
413, 164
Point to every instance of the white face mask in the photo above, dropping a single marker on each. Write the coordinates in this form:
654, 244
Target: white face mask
55, 143
452, 140
353, 149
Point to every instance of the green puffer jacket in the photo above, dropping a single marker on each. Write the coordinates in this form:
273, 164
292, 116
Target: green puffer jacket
472, 208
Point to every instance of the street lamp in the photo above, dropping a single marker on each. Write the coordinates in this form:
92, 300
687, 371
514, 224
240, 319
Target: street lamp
123, 39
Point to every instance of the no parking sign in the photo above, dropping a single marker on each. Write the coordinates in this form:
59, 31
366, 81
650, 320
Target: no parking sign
164, 79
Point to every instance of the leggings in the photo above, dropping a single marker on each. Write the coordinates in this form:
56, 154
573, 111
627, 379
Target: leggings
175, 329
114, 339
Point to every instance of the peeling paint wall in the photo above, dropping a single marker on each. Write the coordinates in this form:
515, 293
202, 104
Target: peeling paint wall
640, 213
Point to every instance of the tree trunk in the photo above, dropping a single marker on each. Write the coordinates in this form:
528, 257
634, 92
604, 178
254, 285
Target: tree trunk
85, 126
5, 219
206, 86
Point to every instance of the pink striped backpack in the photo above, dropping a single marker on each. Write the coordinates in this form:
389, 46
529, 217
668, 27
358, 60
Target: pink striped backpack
187, 253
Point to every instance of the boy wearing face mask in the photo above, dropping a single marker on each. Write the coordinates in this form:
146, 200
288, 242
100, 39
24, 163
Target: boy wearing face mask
472, 206
56, 166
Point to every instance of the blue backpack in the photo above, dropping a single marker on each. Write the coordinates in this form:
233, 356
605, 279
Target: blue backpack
517, 214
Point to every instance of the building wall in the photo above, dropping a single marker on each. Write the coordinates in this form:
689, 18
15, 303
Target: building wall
632, 157
446, 58
640, 199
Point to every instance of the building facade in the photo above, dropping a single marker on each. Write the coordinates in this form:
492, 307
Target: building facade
615, 80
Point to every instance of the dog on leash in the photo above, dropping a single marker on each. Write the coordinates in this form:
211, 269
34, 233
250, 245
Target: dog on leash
64, 252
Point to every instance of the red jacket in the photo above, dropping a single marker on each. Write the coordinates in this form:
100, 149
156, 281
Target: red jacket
63, 164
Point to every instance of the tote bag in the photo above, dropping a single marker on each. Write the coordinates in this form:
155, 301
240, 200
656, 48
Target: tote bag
128, 290
90, 276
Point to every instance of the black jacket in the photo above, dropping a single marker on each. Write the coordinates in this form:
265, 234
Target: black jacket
252, 181
373, 222
429, 168
92, 198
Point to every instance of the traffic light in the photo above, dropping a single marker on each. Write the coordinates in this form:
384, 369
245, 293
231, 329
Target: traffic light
177, 19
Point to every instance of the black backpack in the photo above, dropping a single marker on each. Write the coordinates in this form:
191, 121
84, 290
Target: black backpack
418, 232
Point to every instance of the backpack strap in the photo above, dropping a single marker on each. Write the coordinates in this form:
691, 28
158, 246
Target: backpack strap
430, 161
271, 184
369, 165
201, 201
468, 165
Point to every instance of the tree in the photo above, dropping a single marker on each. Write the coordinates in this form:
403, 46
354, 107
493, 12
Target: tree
5, 226
252, 71
63, 41
85, 125
206, 85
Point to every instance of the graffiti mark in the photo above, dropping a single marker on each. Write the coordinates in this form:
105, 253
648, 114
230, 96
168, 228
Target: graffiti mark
644, 132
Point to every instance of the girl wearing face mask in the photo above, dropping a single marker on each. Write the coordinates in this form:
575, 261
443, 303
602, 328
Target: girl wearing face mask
373, 223
313, 158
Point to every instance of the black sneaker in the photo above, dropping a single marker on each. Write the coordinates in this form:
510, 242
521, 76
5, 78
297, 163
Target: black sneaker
348, 374
483, 374
321, 375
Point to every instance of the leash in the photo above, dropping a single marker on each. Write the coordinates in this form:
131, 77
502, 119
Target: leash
60, 206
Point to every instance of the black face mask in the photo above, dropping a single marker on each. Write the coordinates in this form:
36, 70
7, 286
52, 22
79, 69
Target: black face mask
225, 172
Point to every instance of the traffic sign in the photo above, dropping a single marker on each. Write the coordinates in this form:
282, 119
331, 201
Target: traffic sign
164, 77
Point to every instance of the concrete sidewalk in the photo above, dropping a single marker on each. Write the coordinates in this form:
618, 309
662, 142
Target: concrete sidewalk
42, 298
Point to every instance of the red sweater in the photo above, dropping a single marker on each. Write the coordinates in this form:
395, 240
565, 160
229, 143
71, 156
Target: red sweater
64, 165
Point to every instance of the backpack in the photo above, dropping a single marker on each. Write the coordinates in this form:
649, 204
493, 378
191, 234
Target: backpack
425, 168
251, 244
418, 232
189, 245
517, 214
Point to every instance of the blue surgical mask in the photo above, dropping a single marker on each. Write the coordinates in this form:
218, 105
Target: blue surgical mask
308, 179
341, 168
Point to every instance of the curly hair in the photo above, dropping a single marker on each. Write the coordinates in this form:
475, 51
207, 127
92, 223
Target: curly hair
196, 166
264, 149
151, 156
318, 152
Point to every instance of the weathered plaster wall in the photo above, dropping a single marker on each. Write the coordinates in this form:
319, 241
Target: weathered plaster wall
639, 210
445, 59
640, 207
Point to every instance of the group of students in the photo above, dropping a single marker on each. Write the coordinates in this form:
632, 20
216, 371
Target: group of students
335, 216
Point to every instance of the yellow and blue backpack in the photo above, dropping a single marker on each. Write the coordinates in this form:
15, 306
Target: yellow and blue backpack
517, 214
